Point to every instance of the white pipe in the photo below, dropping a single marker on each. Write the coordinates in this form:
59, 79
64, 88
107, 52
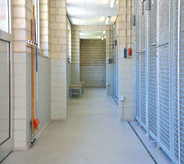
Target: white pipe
122, 111
112, 41
129, 23
109, 42
125, 21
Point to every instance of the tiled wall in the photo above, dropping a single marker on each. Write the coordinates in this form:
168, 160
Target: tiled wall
110, 79
69, 66
93, 76
22, 72
21, 16
45, 27
44, 94
58, 54
92, 62
69, 78
76, 48
75, 73
58, 29
125, 66
92, 52
58, 89
109, 55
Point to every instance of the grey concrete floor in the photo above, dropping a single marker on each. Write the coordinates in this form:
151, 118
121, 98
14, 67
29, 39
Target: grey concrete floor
92, 134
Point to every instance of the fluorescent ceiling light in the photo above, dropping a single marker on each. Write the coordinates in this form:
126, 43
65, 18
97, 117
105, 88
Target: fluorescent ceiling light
102, 38
103, 32
107, 20
112, 3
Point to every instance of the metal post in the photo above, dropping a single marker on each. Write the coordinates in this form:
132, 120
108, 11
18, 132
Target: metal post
158, 85
179, 19
146, 65
171, 36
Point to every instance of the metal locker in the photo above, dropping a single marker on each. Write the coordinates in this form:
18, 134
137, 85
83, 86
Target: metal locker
152, 72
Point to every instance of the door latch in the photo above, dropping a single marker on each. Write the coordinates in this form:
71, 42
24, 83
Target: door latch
155, 44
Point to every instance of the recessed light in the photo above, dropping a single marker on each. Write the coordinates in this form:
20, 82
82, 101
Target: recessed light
107, 20
112, 3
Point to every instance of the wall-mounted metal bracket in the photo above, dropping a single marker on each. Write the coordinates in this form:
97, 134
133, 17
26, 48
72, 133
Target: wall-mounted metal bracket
32, 43
133, 20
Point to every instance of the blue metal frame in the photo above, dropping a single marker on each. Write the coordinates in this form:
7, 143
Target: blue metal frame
179, 19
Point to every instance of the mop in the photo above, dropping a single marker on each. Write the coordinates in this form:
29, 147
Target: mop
35, 121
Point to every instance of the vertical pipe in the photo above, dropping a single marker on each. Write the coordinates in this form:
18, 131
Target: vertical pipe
125, 48
129, 23
112, 42
179, 19
109, 45
125, 22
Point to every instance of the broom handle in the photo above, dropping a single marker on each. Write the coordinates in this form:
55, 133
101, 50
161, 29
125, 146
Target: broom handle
33, 71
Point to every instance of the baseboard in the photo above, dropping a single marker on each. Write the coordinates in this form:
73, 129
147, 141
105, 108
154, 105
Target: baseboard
20, 148
58, 119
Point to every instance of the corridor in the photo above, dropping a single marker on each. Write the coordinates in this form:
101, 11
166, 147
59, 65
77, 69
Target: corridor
92, 134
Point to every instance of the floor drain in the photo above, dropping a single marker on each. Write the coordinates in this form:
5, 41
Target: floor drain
142, 143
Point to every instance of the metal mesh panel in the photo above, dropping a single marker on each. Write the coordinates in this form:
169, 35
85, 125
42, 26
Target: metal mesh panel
142, 25
175, 70
143, 89
182, 82
163, 17
137, 26
163, 52
137, 98
137, 93
152, 75
164, 120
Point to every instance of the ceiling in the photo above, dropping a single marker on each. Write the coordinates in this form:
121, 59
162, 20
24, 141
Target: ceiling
90, 12
91, 34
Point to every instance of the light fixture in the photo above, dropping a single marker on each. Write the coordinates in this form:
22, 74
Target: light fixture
68, 27
107, 20
103, 32
102, 38
112, 3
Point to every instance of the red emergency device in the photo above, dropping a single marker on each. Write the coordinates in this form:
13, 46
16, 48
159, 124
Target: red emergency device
130, 52
111, 60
